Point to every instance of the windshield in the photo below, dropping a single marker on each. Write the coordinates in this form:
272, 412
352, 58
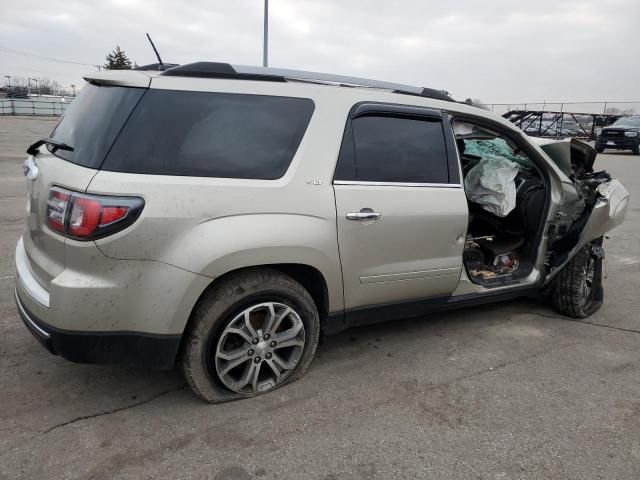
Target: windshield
92, 122
627, 122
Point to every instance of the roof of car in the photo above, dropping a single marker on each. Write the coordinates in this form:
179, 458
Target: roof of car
143, 77
247, 72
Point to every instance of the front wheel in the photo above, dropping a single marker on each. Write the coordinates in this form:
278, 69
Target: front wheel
252, 333
577, 290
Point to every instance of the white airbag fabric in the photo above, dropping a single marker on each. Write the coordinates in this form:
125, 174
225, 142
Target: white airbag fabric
491, 184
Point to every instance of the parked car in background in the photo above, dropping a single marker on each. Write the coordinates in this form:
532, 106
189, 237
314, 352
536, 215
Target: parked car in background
623, 134
222, 217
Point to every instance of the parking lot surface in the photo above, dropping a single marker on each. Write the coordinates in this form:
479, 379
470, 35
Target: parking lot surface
507, 391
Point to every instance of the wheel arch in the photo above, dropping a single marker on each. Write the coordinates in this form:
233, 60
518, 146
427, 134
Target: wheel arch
311, 278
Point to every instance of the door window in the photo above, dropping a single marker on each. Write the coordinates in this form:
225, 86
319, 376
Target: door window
394, 149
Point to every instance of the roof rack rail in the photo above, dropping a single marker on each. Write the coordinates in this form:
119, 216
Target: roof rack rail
219, 70
247, 72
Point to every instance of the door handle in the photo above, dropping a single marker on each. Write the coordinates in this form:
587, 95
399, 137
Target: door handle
364, 215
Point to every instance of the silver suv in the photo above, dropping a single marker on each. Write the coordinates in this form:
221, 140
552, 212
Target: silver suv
223, 218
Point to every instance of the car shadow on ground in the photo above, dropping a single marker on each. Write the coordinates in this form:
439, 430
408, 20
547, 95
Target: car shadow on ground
92, 382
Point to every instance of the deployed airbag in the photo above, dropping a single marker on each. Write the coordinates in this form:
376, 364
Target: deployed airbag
491, 184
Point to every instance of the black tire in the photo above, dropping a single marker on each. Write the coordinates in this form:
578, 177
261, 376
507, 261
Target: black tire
636, 151
599, 149
568, 293
216, 310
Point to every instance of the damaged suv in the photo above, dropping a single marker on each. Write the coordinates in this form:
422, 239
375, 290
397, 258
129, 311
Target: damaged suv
222, 218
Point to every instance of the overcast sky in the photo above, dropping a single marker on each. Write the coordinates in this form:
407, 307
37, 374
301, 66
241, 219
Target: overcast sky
495, 50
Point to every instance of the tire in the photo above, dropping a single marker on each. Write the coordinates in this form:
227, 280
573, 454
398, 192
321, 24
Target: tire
573, 293
599, 149
227, 314
636, 150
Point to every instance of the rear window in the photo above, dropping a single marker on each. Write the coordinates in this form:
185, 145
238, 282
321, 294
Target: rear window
211, 134
92, 122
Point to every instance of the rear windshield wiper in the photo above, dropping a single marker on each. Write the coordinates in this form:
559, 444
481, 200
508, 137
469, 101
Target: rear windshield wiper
33, 149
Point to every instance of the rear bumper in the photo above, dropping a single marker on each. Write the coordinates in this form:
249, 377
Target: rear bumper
106, 311
143, 350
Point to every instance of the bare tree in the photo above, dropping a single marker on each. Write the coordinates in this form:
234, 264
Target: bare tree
19, 87
620, 111
47, 86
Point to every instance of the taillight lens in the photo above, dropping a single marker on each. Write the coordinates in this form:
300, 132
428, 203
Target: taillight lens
57, 208
87, 217
84, 217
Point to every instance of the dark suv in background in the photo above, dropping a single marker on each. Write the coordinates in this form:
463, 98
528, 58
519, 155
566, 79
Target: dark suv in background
624, 134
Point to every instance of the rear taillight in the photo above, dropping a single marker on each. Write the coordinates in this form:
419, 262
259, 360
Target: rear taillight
57, 208
87, 217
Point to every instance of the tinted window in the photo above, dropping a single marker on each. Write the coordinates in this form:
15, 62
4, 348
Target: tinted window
394, 149
211, 134
93, 120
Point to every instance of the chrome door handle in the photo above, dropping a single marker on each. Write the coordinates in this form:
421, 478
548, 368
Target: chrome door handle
363, 216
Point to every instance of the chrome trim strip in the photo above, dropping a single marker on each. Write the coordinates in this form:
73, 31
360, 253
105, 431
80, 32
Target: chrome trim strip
418, 275
26, 279
27, 318
397, 184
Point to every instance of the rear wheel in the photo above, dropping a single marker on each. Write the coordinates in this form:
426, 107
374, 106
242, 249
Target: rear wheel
599, 149
577, 290
252, 333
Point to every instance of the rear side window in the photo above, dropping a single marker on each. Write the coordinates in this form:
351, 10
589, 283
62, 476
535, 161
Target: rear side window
93, 120
211, 135
395, 149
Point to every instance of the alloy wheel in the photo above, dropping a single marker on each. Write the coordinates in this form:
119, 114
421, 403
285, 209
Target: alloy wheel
588, 277
259, 348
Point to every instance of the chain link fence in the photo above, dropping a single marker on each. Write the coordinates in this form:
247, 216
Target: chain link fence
46, 107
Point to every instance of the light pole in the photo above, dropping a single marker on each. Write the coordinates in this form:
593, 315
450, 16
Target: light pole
74, 90
37, 88
8, 77
265, 40
29, 88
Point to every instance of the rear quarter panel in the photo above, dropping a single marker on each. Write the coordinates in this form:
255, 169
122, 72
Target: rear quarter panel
211, 226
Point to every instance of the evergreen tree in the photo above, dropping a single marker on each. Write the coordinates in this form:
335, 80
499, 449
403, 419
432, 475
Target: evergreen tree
117, 60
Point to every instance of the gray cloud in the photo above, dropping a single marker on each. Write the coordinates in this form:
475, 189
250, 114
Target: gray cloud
497, 50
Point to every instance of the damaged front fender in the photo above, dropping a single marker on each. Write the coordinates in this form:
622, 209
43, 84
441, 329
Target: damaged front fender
606, 212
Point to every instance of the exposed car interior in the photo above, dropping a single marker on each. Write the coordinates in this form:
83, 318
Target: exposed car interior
506, 196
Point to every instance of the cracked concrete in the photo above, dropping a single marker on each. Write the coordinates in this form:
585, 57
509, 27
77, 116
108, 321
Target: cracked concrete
113, 410
504, 391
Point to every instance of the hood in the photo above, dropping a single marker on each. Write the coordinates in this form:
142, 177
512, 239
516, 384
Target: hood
570, 155
621, 127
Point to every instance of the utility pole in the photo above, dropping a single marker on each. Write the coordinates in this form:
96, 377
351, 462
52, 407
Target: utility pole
29, 88
265, 40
